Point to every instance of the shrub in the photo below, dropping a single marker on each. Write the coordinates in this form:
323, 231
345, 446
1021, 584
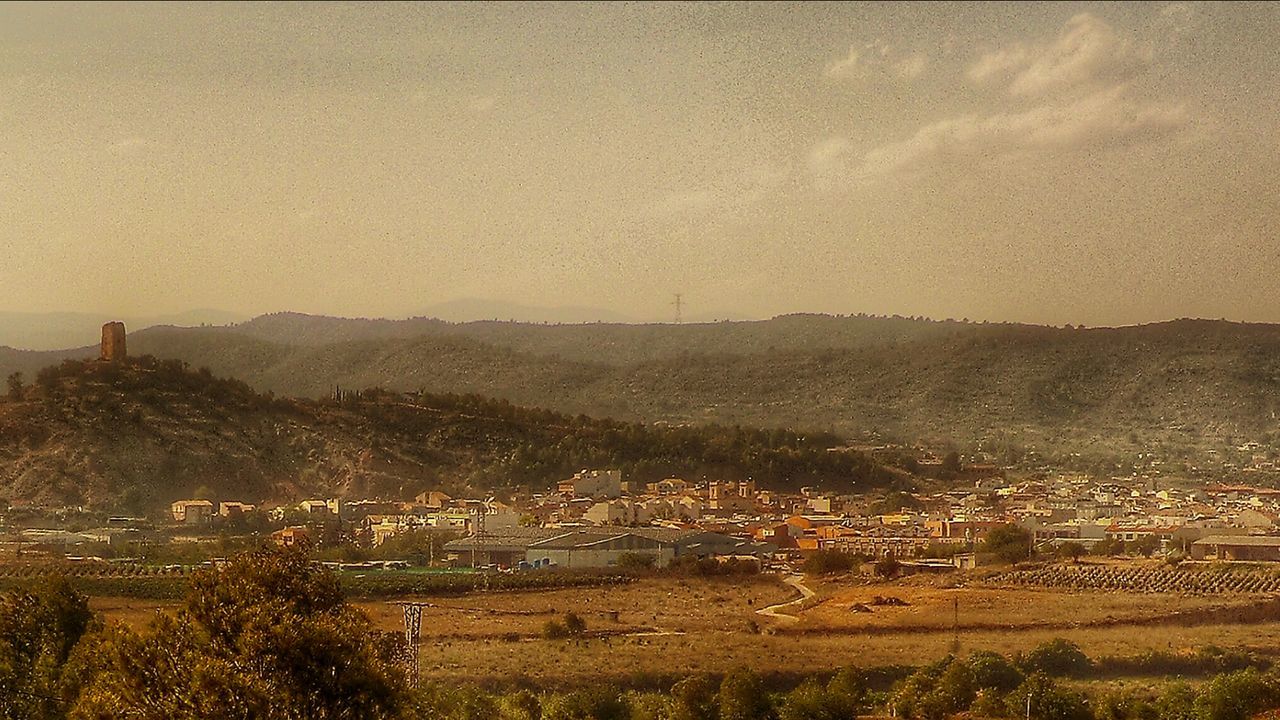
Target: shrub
829, 562
1056, 658
888, 567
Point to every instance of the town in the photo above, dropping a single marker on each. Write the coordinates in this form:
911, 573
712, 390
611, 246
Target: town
597, 519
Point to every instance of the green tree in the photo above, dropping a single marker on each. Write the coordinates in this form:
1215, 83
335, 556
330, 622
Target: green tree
811, 701
1009, 543
1236, 695
1072, 551
39, 628
994, 671
267, 637
1047, 701
1056, 658
694, 698
1177, 702
743, 697
601, 703
15, 385
519, 705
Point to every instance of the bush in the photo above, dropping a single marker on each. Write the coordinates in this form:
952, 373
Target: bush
888, 567
829, 562
1056, 658
1047, 701
570, 626
994, 671
1236, 696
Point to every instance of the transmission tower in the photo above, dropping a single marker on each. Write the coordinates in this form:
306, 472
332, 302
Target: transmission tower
412, 633
679, 303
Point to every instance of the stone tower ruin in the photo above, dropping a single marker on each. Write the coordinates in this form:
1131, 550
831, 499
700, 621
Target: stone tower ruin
113, 342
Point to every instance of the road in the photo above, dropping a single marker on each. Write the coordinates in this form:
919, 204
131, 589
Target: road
797, 582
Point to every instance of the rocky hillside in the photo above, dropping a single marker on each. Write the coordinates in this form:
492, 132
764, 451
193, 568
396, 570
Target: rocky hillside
1179, 386
137, 435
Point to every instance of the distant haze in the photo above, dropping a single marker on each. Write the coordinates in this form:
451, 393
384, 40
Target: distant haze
1049, 163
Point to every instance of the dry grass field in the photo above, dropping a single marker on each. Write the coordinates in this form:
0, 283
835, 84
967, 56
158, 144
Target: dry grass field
664, 626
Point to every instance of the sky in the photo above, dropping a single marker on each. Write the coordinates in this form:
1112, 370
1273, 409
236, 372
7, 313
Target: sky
1085, 163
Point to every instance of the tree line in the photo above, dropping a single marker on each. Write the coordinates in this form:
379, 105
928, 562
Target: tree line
270, 636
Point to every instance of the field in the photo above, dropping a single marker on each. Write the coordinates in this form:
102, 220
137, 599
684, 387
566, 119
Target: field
660, 628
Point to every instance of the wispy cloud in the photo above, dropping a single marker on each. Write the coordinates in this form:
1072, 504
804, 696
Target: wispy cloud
1072, 93
877, 61
1106, 117
1086, 51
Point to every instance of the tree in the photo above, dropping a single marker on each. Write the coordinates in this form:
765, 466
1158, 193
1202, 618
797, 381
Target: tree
16, 387
1236, 695
951, 463
1009, 543
742, 697
694, 698
811, 701
38, 630
1056, 658
1072, 551
267, 637
1046, 701
1177, 702
992, 670
601, 703
828, 562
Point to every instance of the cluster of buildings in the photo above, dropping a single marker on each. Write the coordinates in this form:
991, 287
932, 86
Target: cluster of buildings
597, 518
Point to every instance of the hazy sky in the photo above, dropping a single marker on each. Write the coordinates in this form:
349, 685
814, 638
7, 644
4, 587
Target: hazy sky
1052, 163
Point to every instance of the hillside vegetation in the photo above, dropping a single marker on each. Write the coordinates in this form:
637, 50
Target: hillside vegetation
1178, 386
137, 435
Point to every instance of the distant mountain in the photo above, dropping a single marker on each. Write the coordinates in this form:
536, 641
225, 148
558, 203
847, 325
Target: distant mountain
55, 330
467, 309
1177, 387
138, 435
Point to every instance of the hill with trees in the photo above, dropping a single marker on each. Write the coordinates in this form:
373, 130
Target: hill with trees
1177, 387
134, 436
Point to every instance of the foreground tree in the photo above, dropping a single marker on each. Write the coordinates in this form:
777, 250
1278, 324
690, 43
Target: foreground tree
268, 637
39, 629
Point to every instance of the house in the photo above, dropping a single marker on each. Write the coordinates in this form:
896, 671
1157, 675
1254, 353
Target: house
231, 509
616, 512
1253, 548
593, 484
433, 499
598, 549
291, 536
669, 486
192, 512
319, 507
505, 547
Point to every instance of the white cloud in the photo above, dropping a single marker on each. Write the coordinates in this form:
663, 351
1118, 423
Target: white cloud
911, 67
877, 60
1105, 117
848, 67
827, 152
1087, 51
998, 62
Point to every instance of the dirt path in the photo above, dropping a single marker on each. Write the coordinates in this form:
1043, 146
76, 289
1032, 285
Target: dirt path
797, 582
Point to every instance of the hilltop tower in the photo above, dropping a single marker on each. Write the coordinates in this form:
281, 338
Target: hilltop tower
113, 349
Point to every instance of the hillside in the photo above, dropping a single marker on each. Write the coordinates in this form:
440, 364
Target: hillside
135, 436
1178, 386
